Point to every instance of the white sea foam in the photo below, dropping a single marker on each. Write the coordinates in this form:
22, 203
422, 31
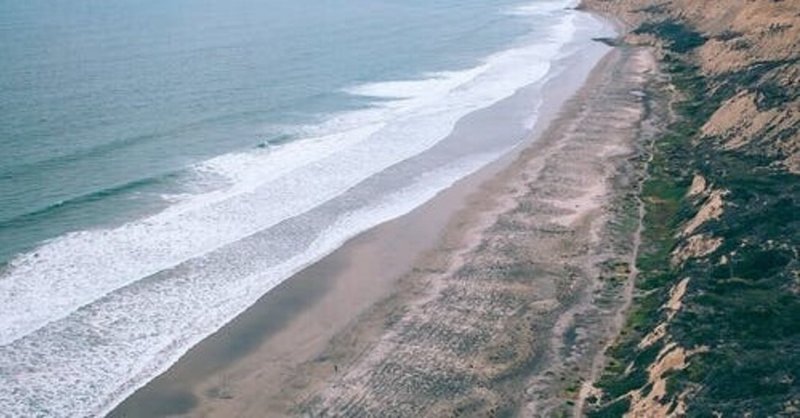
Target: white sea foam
102, 348
266, 188
540, 7
87, 318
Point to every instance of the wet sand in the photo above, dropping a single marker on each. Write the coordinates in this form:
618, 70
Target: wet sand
486, 300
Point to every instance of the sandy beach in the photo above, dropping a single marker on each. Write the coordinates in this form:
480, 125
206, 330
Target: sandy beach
402, 209
494, 298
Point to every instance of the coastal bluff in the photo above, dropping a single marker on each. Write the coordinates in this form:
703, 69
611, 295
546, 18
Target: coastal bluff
753, 42
713, 326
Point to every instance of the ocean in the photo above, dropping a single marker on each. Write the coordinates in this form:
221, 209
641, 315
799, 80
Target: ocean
165, 164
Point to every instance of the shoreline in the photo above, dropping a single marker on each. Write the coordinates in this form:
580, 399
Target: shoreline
506, 318
315, 305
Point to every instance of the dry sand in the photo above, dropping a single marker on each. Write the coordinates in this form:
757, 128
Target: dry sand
493, 299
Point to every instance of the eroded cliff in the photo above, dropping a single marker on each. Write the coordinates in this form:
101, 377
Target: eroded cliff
713, 330
748, 52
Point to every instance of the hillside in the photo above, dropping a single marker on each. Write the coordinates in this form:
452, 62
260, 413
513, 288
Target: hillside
714, 329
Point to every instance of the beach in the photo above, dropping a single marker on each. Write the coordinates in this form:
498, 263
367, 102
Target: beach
495, 297
351, 208
272, 155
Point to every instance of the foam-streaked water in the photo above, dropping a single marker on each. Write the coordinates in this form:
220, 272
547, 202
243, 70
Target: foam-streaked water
136, 159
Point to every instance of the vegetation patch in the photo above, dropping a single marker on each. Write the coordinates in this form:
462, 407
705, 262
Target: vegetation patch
743, 302
676, 35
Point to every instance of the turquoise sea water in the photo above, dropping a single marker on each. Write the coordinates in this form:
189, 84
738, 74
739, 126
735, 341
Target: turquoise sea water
166, 163
102, 103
